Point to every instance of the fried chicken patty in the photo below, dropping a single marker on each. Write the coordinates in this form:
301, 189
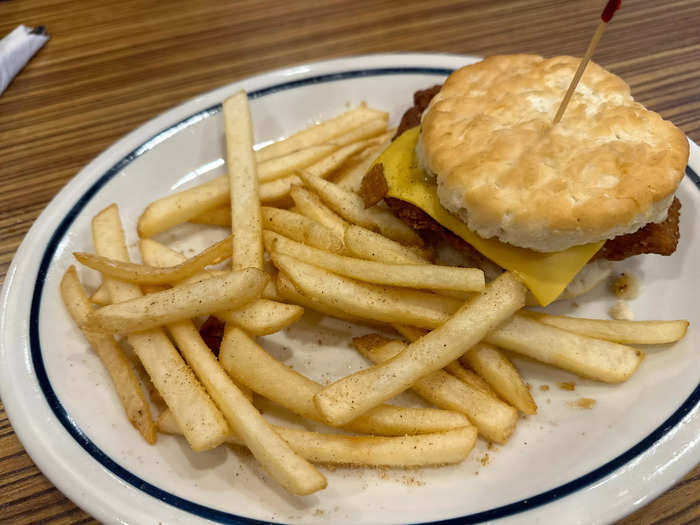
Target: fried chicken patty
659, 238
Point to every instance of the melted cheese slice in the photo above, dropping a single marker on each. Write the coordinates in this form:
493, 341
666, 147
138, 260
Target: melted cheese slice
545, 274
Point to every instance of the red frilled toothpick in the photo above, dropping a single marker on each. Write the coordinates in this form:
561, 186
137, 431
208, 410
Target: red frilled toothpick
605, 17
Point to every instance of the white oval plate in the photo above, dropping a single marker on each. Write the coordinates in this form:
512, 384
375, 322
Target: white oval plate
562, 465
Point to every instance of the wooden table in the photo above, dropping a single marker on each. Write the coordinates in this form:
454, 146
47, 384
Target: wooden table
112, 65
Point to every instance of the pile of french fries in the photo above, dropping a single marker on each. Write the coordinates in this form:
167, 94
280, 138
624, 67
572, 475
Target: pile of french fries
294, 203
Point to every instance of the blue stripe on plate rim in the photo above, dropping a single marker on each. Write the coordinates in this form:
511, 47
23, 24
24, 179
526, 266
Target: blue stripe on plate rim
224, 517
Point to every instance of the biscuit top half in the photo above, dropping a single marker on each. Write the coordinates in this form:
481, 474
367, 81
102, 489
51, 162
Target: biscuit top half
609, 167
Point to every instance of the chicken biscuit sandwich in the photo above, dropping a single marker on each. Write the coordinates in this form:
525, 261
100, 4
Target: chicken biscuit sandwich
479, 162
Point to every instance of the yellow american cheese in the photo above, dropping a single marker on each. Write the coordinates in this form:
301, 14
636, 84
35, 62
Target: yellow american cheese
545, 274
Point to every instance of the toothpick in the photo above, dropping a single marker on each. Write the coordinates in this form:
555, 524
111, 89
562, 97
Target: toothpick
606, 16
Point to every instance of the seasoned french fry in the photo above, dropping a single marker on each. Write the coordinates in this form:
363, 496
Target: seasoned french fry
286, 165
246, 221
144, 274
494, 419
310, 205
219, 216
366, 244
277, 190
624, 332
353, 395
258, 317
491, 364
351, 173
180, 207
332, 162
286, 467
301, 229
100, 296
585, 356
167, 424
206, 297
372, 129
404, 451
545, 343
413, 276
112, 357
203, 424
252, 366
412, 334
469, 377
321, 133
351, 207
368, 301
288, 292
196, 203
263, 317
451, 446
270, 291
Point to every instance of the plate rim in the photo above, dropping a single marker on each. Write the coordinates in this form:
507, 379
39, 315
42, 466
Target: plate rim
75, 206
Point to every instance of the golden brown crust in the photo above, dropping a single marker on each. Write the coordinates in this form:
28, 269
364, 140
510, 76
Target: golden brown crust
609, 167
373, 187
660, 238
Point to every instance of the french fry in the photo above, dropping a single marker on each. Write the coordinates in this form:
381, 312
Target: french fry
203, 424
368, 301
624, 332
144, 274
290, 470
451, 446
263, 317
404, 451
180, 207
206, 297
246, 222
252, 366
353, 395
413, 276
324, 167
553, 346
412, 334
167, 424
468, 377
491, 364
320, 133
588, 357
288, 292
219, 216
310, 205
100, 296
301, 229
258, 317
270, 291
112, 357
277, 190
196, 203
351, 173
351, 207
366, 244
494, 419
371, 129
286, 165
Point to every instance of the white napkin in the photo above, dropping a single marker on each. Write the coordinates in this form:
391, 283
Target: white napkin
16, 49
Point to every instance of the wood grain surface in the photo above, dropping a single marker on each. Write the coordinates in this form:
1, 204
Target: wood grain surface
111, 65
